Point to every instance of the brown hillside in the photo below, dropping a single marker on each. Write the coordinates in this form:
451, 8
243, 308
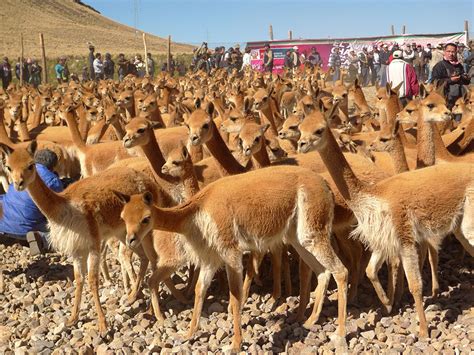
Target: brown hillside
67, 26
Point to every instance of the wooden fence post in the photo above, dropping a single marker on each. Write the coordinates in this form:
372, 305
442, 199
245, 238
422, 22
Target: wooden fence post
168, 57
146, 54
466, 29
43, 55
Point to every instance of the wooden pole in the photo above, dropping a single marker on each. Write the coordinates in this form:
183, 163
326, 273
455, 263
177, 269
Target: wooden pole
466, 29
270, 32
403, 29
290, 34
393, 30
21, 60
146, 54
168, 58
43, 55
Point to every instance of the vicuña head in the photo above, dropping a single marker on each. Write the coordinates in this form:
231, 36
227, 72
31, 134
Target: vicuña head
138, 132
200, 124
20, 164
137, 214
178, 162
314, 129
251, 138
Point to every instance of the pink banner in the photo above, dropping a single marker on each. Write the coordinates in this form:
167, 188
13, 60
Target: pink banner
325, 47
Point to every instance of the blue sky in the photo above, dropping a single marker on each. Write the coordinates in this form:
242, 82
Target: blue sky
230, 21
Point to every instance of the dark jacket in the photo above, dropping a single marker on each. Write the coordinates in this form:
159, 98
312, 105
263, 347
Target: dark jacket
443, 71
109, 68
91, 64
20, 214
384, 57
288, 62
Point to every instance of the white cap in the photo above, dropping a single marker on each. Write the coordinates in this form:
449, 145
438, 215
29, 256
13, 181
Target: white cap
398, 54
295, 47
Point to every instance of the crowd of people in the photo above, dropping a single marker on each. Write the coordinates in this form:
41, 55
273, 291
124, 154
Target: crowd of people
30, 71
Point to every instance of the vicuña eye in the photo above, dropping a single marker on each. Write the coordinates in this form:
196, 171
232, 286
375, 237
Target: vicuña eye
430, 106
319, 131
146, 220
141, 130
205, 126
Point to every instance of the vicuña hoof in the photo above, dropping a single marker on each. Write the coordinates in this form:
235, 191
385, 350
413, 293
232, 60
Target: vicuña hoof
72, 321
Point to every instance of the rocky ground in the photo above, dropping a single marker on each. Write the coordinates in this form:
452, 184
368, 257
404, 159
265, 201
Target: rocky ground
38, 294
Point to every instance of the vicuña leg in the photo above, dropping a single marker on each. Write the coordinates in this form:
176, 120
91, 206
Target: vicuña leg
305, 289
93, 274
375, 263
285, 262
80, 269
234, 276
409, 255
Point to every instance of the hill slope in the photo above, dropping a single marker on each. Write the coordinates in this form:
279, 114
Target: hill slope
67, 26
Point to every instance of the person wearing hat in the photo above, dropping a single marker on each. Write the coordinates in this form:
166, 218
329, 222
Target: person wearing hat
122, 63
140, 66
98, 67
295, 57
5, 73
409, 54
314, 58
399, 72
451, 72
267, 59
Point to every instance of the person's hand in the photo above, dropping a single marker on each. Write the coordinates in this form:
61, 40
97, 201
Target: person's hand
455, 77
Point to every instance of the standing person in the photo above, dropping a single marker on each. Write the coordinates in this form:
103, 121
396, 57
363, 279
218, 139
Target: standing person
172, 65
384, 61
85, 74
436, 56
372, 74
295, 58
140, 65
409, 54
181, 69
376, 72
428, 56
334, 63
353, 65
6, 73
364, 66
267, 59
418, 63
314, 58
132, 69
122, 66
98, 67
288, 61
26, 74
450, 71
91, 61
35, 73
401, 72
59, 70
151, 66
238, 57
246, 59
109, 67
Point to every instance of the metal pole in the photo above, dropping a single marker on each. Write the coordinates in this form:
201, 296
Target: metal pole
290, 35
270, 32
146, 54
43, 55
21, 60
393, 30
403, 29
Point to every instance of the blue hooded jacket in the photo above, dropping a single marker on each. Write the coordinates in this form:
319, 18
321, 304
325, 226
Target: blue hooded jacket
20, 214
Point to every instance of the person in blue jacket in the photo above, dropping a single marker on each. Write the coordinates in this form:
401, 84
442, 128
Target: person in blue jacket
21, 219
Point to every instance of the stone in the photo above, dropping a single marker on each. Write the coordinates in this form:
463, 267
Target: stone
370, 334
215, 307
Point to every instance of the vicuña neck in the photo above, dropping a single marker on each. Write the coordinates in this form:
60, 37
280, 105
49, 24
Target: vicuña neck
397, 153
347, 183
23, 132
175, 219
266, 116
425, 155
4, 138
441, 152
119, 131
228, 165
260, 158
153, 153
50, 203
75, 135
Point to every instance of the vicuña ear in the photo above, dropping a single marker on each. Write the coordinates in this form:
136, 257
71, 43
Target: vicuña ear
31, 149
148, 198
332, 111
247, 105
123, 198
184, 151
197, 103
396, 127
210, 108
356, 83
154, 124
6, 149
440, 87
423, 93
263, 128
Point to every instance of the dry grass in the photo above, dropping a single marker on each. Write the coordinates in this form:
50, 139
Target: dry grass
67, 27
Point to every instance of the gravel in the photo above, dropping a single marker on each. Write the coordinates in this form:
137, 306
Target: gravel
38, 296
